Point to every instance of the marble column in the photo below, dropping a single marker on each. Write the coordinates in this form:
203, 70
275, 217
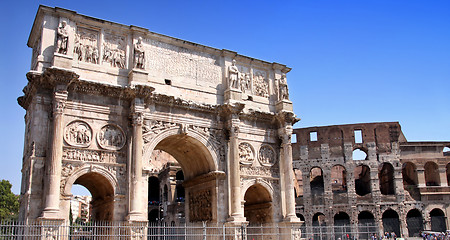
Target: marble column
135, 208
53, 163
237, 214
287, 172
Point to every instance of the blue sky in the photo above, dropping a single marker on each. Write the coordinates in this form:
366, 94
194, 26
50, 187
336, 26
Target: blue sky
352, 61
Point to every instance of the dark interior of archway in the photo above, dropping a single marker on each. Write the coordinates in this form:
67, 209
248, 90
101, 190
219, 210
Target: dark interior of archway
414, 223
438, 220
341, 219
391, 222
191, 154
432, 174
319, 219
362, 180
410, 180
102, 195
386, 176
258, 205
153, 191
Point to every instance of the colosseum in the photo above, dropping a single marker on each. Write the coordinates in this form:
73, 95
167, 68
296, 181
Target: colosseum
368, 175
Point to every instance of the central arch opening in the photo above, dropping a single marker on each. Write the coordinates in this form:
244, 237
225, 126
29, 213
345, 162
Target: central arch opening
258, 205
176, 163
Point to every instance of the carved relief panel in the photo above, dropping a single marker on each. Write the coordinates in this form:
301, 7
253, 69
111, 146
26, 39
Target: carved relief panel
86, 45
260, 83
200, 205
111, 137
78, 133
246, 153
114, 50
267, 156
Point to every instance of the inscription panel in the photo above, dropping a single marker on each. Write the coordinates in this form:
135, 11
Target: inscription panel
85, 155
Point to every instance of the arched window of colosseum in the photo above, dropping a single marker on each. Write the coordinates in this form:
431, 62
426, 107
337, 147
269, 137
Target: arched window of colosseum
366, 224
341, 224
319, 219
446, 151
298, 182
386, 177
432, 177
153, 191
316, 180
359, 154
100, 207
437, 220
391, 222
414, 222
179, 190
258, 205
362, 180
338, 179
410, 180
447, 170
166, 194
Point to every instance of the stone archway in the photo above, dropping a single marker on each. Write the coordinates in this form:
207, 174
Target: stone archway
199, 170
102, 195
258, 205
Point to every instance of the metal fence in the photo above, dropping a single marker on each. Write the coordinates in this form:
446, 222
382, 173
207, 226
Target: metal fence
151, 231
343, 232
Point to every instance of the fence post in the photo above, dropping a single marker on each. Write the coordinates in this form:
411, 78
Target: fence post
204, 230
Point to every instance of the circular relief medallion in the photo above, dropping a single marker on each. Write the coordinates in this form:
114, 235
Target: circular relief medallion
111, 137
246, 153
266, 156
78, 133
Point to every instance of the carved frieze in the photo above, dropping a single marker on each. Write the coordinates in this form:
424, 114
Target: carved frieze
259, 171
260, 85
84, 155
86, 45
200, 205
246, 153
111, 137
267, 156
114, 50
78, 133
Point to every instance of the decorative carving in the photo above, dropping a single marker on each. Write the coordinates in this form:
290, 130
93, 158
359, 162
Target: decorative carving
86, 45
283, 92
50, 232
200, 205
259, 171
114, 50
267, 155
137, 118
59, 102
261, 87
246, 153
111, 137
78, 133
139, 54
154, 128
233, 76
85, 155
62, 37
245, 81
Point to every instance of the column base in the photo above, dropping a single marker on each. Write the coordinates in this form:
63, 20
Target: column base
51, 214
136, 217
291, 219
237, 218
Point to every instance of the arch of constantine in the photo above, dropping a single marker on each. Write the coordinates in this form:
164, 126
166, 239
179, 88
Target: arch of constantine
102, 97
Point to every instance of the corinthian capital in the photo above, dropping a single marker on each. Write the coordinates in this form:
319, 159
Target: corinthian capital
137, 118
59, 102
285, 134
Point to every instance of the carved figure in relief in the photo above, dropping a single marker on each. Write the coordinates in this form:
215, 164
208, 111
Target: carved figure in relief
245, 153
78, 134
245, 81
233, 75
86, 46
62, 37
111, 137
114, 51
266, 156
139, 54
283, 92
260, 84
